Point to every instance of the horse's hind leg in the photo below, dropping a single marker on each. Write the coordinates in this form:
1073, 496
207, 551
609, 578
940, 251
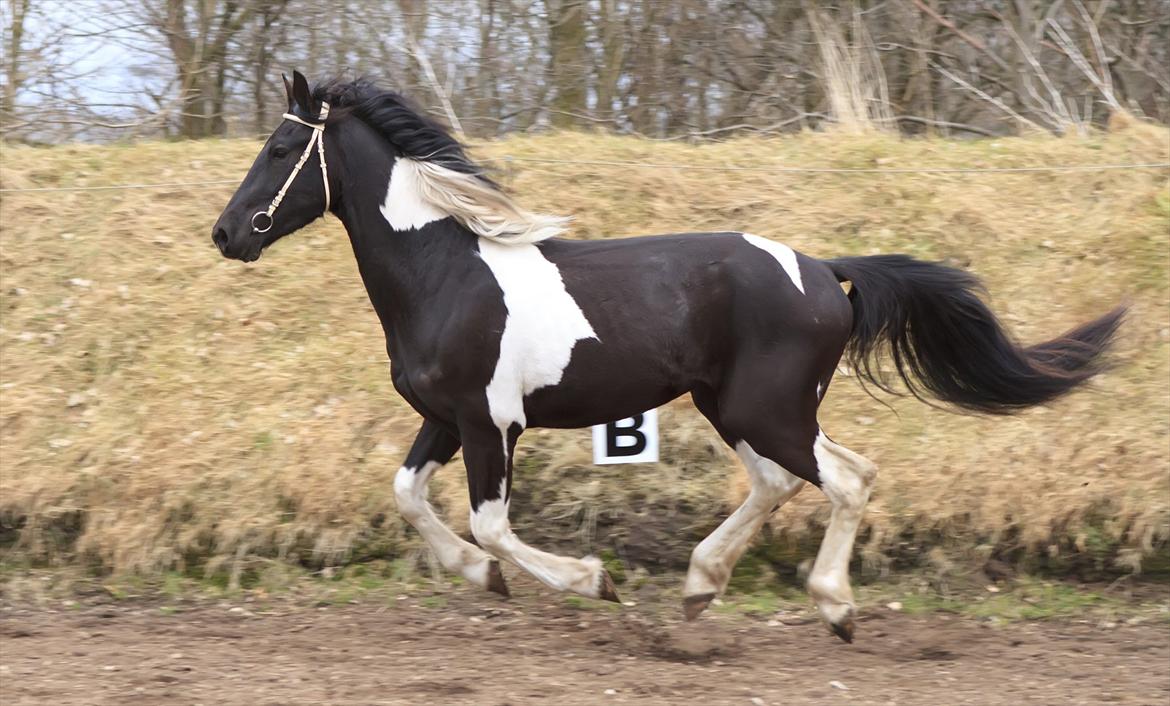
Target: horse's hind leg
846, 478
432, 448
777, 422
714, 558
489, 480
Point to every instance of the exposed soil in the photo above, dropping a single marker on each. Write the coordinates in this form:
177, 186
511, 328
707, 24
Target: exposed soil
468, 647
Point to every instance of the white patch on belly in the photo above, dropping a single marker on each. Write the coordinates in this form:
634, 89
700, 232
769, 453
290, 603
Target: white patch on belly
405, 208
543, 325
783, 255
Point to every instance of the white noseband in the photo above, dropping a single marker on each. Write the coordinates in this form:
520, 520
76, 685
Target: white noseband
318, 138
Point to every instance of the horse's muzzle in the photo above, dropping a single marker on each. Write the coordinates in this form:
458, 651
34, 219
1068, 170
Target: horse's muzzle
246, 249
220, 238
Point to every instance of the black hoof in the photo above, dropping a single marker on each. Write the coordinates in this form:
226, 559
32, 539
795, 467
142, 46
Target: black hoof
693, 606
844, 629
607, 591
495, 579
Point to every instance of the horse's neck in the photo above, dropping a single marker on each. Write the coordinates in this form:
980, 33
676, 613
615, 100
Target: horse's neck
406, 272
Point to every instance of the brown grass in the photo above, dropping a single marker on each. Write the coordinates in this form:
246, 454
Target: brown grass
163, 408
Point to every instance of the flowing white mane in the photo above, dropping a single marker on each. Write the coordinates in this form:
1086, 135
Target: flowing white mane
475, 203
434, 178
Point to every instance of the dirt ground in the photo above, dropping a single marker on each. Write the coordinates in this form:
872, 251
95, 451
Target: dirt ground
465, 647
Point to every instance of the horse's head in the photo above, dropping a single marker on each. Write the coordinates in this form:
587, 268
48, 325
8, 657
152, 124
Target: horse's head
286, 188
413, 169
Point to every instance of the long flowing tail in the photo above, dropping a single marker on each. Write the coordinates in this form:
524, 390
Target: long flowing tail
945, 341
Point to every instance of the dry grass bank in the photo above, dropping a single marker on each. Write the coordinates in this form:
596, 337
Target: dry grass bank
163, 408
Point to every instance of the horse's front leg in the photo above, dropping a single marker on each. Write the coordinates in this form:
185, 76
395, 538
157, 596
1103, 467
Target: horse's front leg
489, 480
432, 448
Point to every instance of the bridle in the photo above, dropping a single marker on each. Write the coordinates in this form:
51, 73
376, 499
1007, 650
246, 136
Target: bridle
318, 139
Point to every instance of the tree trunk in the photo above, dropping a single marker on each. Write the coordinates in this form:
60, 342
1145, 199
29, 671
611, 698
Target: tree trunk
415, 15
488, 98
644, 67
13, 79
612, 29
566, 38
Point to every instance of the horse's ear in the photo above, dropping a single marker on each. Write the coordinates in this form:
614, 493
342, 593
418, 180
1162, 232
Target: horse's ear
300, 92
288, 90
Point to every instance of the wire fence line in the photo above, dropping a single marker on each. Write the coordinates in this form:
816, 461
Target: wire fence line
508, 159
115, 187
842, 170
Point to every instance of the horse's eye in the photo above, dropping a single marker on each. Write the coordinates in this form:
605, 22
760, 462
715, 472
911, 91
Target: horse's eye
280, 152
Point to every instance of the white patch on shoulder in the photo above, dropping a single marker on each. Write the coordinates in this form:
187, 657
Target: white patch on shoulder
783, 254
405, 208
543, 325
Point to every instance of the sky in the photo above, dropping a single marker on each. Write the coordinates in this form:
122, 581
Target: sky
93, 52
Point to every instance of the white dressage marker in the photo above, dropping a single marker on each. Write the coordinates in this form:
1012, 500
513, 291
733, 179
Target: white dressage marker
630, 440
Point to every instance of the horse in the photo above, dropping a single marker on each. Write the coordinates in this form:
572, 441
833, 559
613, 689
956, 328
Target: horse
495, 324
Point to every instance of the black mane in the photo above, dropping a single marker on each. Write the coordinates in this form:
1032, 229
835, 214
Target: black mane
400, 121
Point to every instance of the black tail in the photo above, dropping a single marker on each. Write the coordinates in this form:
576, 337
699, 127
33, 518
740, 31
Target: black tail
944, 340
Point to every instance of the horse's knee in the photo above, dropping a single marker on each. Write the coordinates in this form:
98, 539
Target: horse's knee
489, 525
410, 491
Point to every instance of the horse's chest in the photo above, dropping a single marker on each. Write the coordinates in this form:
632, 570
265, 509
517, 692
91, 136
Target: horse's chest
542, 326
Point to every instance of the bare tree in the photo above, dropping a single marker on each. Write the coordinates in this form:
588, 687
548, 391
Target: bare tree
692, 68
567, 63
197, 32
13, 55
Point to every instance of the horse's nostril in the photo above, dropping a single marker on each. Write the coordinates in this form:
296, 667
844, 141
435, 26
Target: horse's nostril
220, 238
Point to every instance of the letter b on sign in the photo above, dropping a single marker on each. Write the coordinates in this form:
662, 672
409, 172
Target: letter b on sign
630, 440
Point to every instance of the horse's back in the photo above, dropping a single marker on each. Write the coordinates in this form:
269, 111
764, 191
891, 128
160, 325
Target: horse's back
691, 277
674, 312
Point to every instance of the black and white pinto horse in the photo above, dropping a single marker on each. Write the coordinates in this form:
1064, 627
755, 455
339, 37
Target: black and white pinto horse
494, 324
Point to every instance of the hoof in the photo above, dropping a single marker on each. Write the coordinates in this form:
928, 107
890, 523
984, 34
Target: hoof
843, 629
495, 579
607, 591
693, 606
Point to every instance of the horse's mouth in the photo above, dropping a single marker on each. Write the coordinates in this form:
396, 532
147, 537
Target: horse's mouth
254, 255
